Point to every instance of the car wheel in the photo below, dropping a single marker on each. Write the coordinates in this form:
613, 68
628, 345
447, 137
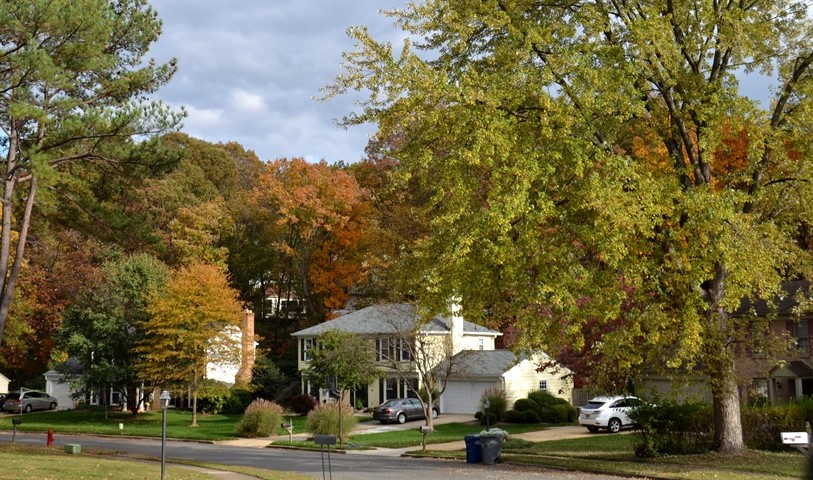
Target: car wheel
435, 413
614, 425
401, 418
28, 408
592, 429
52, 406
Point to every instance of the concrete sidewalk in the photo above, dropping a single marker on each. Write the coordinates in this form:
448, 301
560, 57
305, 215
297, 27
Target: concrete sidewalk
555, 433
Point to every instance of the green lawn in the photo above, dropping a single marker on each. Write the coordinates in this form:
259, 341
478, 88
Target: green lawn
148, 424
613, 454
597, 453
25, 461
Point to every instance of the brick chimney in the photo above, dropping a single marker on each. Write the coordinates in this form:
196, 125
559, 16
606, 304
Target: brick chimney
243, 376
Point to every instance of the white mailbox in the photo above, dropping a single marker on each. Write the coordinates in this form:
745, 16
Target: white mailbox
794, 438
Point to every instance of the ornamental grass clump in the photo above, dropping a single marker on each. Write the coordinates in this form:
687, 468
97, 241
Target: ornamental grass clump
260, 420
324, 420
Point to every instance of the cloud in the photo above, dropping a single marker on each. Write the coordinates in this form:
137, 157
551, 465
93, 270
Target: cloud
249, 70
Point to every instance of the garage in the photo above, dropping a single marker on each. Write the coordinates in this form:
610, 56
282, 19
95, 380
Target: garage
463, 396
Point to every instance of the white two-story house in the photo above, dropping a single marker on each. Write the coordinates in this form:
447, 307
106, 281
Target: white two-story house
386, 326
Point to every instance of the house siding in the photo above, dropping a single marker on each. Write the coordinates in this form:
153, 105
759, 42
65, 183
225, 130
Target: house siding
524, 378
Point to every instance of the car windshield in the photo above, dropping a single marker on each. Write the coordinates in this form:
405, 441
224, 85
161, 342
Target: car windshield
594, 404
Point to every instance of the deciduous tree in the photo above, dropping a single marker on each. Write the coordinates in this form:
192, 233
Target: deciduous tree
192, 321
517, 117
103, 328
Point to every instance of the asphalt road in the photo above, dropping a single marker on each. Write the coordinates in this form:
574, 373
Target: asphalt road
336, 466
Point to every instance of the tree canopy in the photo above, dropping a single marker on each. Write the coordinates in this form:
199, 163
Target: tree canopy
582, 174
102, 329
72, 82
191, 322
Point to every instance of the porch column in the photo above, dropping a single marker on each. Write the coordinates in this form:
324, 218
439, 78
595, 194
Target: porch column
798, 388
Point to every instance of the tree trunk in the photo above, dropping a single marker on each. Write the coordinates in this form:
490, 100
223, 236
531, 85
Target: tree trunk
721, 367
727, 422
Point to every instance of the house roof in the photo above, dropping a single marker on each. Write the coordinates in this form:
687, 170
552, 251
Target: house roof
781, 304
389, 318
484, 363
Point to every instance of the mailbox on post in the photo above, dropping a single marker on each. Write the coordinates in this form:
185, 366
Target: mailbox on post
287, 425
14, 423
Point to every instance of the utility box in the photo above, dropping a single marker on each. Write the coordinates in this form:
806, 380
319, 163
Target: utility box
73, 448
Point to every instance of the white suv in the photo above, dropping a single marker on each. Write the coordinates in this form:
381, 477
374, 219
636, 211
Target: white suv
611, 413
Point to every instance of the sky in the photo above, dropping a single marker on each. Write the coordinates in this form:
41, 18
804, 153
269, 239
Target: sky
249, 71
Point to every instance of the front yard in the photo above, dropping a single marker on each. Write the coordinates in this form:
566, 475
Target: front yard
602, 453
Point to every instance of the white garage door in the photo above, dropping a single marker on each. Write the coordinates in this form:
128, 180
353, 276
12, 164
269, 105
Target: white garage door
464, 397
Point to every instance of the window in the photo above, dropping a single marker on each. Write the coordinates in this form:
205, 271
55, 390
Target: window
393, 348
482, 343
383, 348
759, 388
800, 331
543, 385
115, 397
404, 354
758, 332
305, 345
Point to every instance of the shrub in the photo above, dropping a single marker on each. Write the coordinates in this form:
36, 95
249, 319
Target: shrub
762, 426
302, 404
497, 405
261, 419
212, 396
525, 404
514, 416
422, 393
531, 417
324, 420
545, 399
548, 414
238, 401
670, 428
566, 412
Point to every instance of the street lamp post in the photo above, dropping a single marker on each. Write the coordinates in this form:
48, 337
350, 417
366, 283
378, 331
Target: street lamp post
164, 399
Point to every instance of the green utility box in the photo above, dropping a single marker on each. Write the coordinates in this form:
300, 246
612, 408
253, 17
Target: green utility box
73, 448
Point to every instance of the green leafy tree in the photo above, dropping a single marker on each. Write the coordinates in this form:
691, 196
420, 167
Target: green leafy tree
343, 360
72, 82
101, 330
192, 321
579, 174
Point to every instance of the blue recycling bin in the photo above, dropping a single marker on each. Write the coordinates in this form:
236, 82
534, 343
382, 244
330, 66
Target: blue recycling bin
474, 451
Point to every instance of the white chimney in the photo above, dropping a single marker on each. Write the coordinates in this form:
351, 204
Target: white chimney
455, 323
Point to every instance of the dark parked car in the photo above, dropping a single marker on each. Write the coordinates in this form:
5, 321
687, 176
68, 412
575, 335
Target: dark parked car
400, 410
28, 401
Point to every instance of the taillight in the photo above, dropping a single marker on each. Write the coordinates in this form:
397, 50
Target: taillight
389, 410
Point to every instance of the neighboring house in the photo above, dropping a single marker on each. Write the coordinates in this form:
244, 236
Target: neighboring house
761, 376
229, 372
385, 324
57, 386
518, 376
785, 379
4, 381
237, 370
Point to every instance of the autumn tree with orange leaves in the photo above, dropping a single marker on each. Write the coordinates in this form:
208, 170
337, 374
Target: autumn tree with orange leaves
192, 322
314, 216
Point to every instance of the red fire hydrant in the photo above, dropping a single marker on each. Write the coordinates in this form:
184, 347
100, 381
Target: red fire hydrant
50, 438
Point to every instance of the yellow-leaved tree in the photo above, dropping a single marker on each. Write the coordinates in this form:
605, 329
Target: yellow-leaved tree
193, 321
